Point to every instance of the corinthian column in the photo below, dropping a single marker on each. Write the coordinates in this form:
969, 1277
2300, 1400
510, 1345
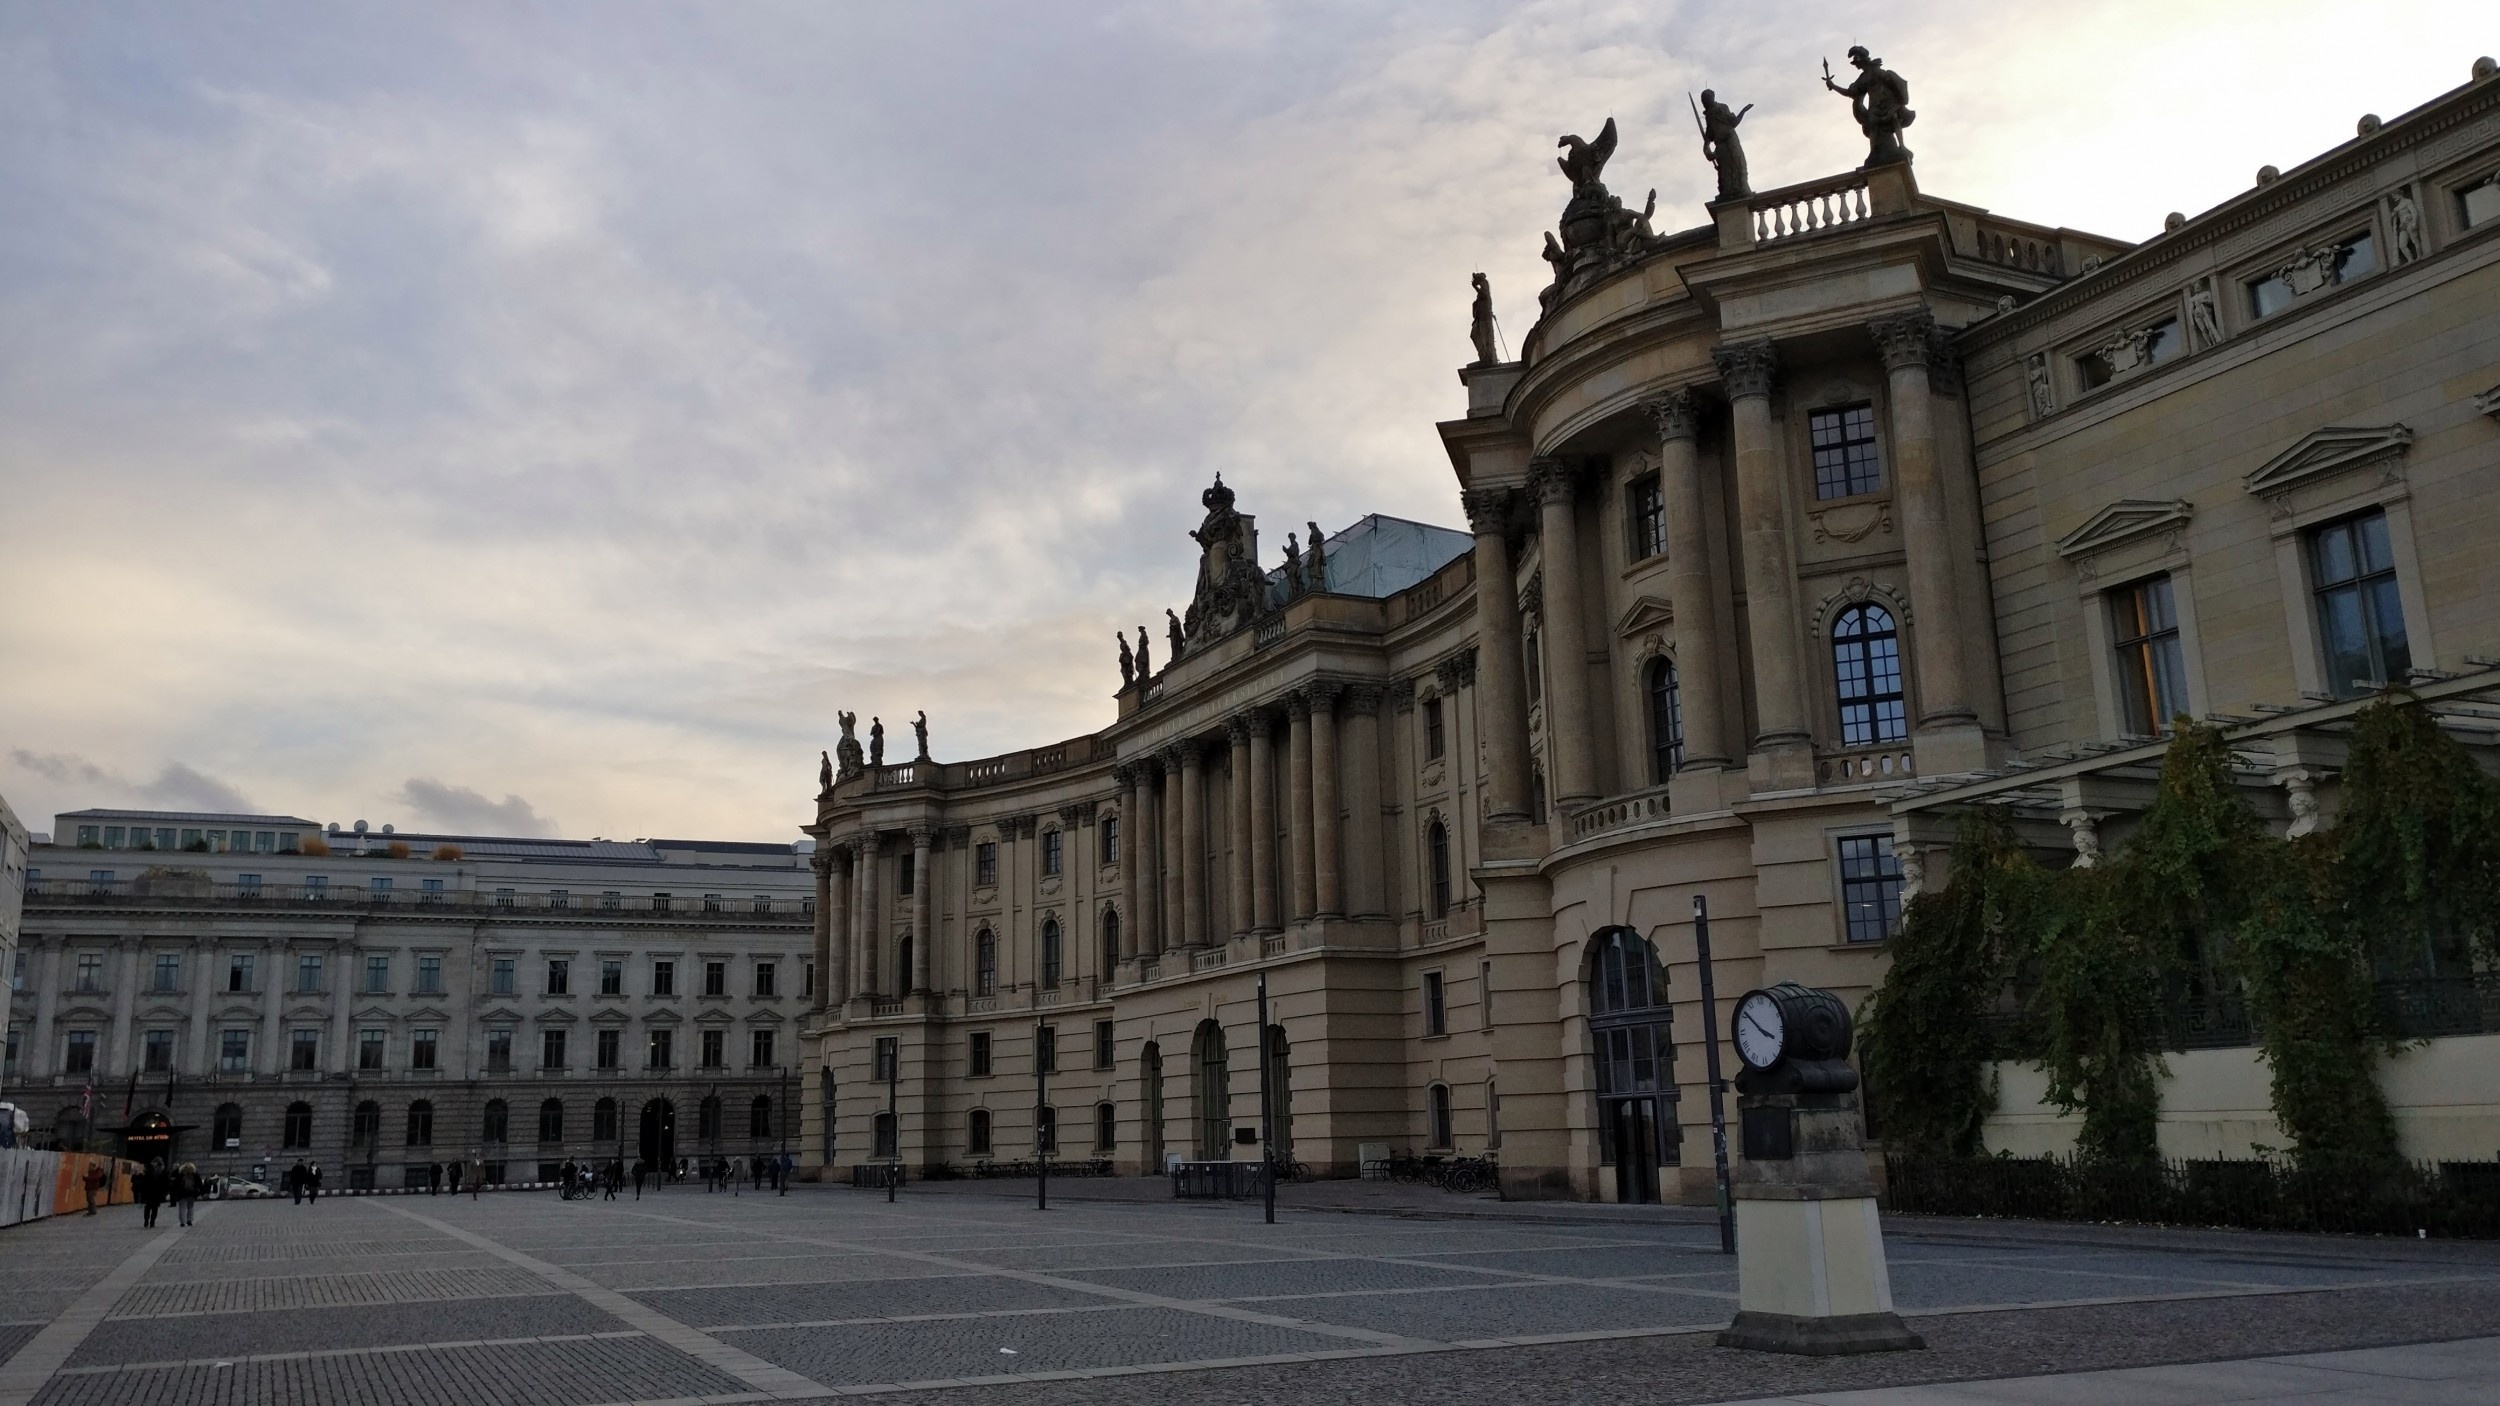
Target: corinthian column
923, 941
1944, 693
834, 970
1366, 894
1327, 851
1262, 827
1693, 582
1193, 842
1237, 793
1173, 853
821, 940
1568, 738
1137, 935
865, 935
1748, 369
1501, 695
1298, 804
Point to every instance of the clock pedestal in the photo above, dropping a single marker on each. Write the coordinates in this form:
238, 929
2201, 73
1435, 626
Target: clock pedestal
1809, 1253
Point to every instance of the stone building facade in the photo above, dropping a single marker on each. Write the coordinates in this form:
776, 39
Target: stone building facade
381, 1002
1785, 536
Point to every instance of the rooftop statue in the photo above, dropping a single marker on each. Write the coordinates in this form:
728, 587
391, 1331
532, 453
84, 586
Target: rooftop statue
1177, 634
1597, 232
848, 748
824, 771
1880, 99
1231, 591
1480, 323
920, 735
1145, 661
1314, 561
1128, 662
1293, 567
876, 741
1719, 144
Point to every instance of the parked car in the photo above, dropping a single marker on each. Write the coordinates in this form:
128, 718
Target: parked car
237, 1188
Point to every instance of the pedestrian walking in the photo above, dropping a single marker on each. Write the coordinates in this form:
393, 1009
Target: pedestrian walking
641, 1170
152, 1190
477, 1177
616, 1178
312, 1183
456, 1169
296, 1178
186, 1191
433, 1178
94, 1180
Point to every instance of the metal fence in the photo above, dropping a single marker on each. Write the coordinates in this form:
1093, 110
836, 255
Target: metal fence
1218, 1181
2454, 1200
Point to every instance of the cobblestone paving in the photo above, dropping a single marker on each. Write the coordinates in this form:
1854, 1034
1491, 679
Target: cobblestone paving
522, 1298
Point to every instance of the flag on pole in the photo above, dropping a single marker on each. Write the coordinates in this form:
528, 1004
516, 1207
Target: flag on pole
130, 1096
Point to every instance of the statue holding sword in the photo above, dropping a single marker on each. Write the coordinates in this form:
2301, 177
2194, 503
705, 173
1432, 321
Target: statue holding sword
1719, 144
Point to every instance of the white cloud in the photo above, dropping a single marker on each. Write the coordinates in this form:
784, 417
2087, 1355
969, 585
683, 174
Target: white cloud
458, 808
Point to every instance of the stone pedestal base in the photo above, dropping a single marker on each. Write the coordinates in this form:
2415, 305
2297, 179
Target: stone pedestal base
1820, 1337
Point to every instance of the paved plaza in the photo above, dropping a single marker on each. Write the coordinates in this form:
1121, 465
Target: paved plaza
967, 1291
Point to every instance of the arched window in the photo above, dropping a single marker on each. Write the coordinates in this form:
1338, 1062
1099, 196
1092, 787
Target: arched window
1437, 844
707, 1120
603, 1120
1050, 954
366, 1130
760, 1117
498, 1121
551, 1120
985, 963
1110, 940
1045, 1130
1106, 1126
1666, 722
226, 1128
1866, 666
1634, 1048
421, 1123
1442, 1134
977, 1141
1214, 1092
298, 1125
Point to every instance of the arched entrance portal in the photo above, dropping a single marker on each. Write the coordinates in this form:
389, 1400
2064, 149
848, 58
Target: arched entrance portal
659, 1133
1635, 1053
1214, 1093
1150, 1093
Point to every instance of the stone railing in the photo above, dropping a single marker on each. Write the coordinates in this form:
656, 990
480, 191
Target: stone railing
1269, 630
178, 890
1208, 960
980, 1005
977, 773
1810, 208
1636, 808
1865, 765
885, 1008
2018, 248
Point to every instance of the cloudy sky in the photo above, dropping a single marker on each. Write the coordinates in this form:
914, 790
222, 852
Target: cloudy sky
541, 417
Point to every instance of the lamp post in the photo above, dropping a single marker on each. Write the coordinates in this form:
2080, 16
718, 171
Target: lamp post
781, 1167
1718, 1086
894, 1115
1041, 1106
1267, 1111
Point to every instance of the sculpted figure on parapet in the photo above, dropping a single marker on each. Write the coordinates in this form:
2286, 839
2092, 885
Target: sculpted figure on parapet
876, 741
1597, 232
1880, 99
1231, 590
848, 748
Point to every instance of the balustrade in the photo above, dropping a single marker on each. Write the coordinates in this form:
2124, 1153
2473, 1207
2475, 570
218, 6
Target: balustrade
1810, 208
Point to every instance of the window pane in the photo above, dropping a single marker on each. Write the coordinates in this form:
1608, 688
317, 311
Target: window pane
2387, 617
2336, 563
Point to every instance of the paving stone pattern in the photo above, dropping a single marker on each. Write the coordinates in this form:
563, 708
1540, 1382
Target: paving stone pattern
516, 1298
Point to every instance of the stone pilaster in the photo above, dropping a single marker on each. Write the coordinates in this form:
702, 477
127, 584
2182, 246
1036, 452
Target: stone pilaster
1327, 842
1749, 370
1502, 697
1237, 794
1367, 857
1570, 741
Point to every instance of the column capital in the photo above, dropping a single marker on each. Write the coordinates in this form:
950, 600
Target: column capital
1124, 774
1297, 704
1237, 729
1553, 481
1402, 695
1457, 669
1904, 340
1365, 698
1179, 753
1076, 813
1944, 360
1323, 695
1747, 368
1676, 414
821, 861
922, 836
1488, 510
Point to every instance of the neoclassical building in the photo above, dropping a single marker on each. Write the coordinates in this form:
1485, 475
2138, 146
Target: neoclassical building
380, 1003
1785, 536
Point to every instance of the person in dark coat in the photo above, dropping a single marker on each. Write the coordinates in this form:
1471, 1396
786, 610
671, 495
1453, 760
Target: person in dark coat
641, 1170
297, 1178
186, 1192
455, 1178
433, 1178
152, 1188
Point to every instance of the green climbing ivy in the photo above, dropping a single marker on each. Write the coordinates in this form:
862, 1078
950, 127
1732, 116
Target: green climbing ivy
1924, 1035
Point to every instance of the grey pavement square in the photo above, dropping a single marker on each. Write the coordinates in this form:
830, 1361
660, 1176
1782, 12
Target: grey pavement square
1508, 1311
123, 1340
890, 1298
1596, 1262
974, 1347
503, 1374
1233, 1281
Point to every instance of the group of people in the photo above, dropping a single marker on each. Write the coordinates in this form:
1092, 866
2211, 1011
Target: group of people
473, 1172
579, 1181
155, 1186
582, 1180
303, 1181
762, 1171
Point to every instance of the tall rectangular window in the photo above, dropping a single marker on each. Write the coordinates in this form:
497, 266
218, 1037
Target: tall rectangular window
370, 1047
1105, 1044
377, 975
767, 980
1532, 659
307, 973
234, 1051
1870, 887
429, 976
559, 976
610, 1049
715, 978
715, 1049
551, 1049
663, 978
906, 874
1845, 463
79, 1056
90, 978
1484, 995
168, 974
505, 974
977, 1054
1109, 830
303, 1054
379, 889
158, 1052
423, 1046
1046, 1049
663, 1049
611, 977
1436, 1006
760, 1048
2361, 621
1866, 667
985, 863
239, 972
1053, 851
499, 1050
1645, 508
1436, 741
882, 1065
2152, 674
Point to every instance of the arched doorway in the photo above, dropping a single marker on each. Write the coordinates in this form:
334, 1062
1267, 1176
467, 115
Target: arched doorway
1635, 1054
659, 1133
1214, 1093
1280, 1088
1150, 1100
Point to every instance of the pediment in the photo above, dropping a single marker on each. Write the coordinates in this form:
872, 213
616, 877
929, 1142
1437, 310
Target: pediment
558, 1017
664, 1018
236, 1011
2124, 521
1645, 614
434, 1014
161, 1010
379, 1012
305, 1010
715, 1018
500, 1015
2333, 450
611, 1020
764, 1018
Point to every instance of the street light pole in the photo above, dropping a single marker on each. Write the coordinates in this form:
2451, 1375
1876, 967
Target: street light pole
1041, 1105
781, 1167
1267, 1112
894, 1117
1710, 1059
